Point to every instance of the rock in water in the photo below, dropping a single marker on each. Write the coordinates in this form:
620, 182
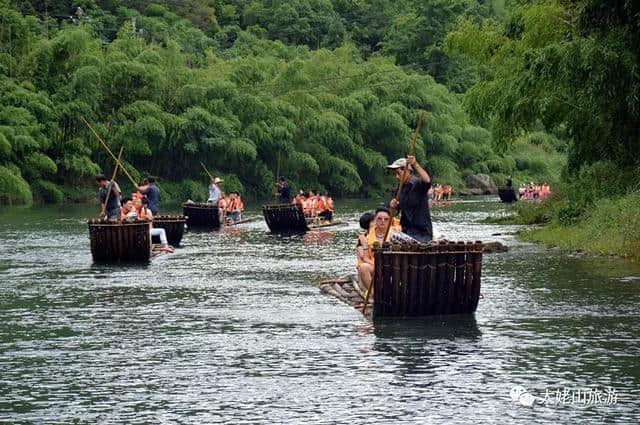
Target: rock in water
482, 182
495, 246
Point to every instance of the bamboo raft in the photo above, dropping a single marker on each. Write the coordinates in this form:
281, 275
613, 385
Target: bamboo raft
172, 225
289, 218
417, 280
507, 194
201, 215
285, 218
120, 242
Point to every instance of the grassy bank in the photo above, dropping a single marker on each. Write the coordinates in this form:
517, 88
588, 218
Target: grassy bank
610, 227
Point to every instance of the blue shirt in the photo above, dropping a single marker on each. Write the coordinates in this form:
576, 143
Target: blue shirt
153, 195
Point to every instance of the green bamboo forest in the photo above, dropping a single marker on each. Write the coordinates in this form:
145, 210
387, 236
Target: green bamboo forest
326, 93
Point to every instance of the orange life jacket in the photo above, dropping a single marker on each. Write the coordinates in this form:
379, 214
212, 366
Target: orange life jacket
329, 202
307, 206
236, 205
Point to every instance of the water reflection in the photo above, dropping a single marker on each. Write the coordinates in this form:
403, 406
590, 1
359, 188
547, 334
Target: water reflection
319, 237
437, 327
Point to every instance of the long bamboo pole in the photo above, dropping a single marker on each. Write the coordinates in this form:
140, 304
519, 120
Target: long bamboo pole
206, 171
394, 211
278, 173
110, 153
113, 176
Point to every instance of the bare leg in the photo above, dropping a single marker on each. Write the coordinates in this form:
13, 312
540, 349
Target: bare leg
365, 272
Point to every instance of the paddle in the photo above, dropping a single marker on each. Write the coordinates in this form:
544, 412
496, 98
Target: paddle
394, 211
113, 176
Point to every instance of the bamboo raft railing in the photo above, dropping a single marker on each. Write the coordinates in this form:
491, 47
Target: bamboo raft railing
201, 215
413, 280
289, 218
120, 242
173, 225
285, 218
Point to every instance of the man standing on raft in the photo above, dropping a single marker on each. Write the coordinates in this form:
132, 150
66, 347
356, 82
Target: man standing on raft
415, 218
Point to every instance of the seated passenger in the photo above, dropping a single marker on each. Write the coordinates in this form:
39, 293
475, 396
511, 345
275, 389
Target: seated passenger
327, 203
376, 233
235, 207
306, 205
312, 199
223, 202
447, 192
138, 210
142, 207
127, 210
319, 207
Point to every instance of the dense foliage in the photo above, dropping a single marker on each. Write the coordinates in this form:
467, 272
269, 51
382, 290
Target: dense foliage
570, 67
309, 85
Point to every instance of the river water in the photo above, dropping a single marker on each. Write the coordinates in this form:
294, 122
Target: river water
232, 328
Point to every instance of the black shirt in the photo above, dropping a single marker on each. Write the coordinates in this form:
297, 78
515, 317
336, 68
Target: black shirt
285, 193
414, 206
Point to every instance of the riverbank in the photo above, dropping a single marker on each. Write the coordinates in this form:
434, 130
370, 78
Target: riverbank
609, 227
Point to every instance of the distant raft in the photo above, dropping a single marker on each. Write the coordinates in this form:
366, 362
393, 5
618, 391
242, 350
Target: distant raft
173, 225
120, 242
417, 280
290, 218
507, 194
285, 218
201, 215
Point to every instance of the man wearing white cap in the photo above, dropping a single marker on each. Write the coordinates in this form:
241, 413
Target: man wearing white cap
415, 217
214, 191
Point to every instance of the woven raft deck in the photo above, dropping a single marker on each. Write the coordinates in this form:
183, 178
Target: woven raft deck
243, 221
418, 280
348, 290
